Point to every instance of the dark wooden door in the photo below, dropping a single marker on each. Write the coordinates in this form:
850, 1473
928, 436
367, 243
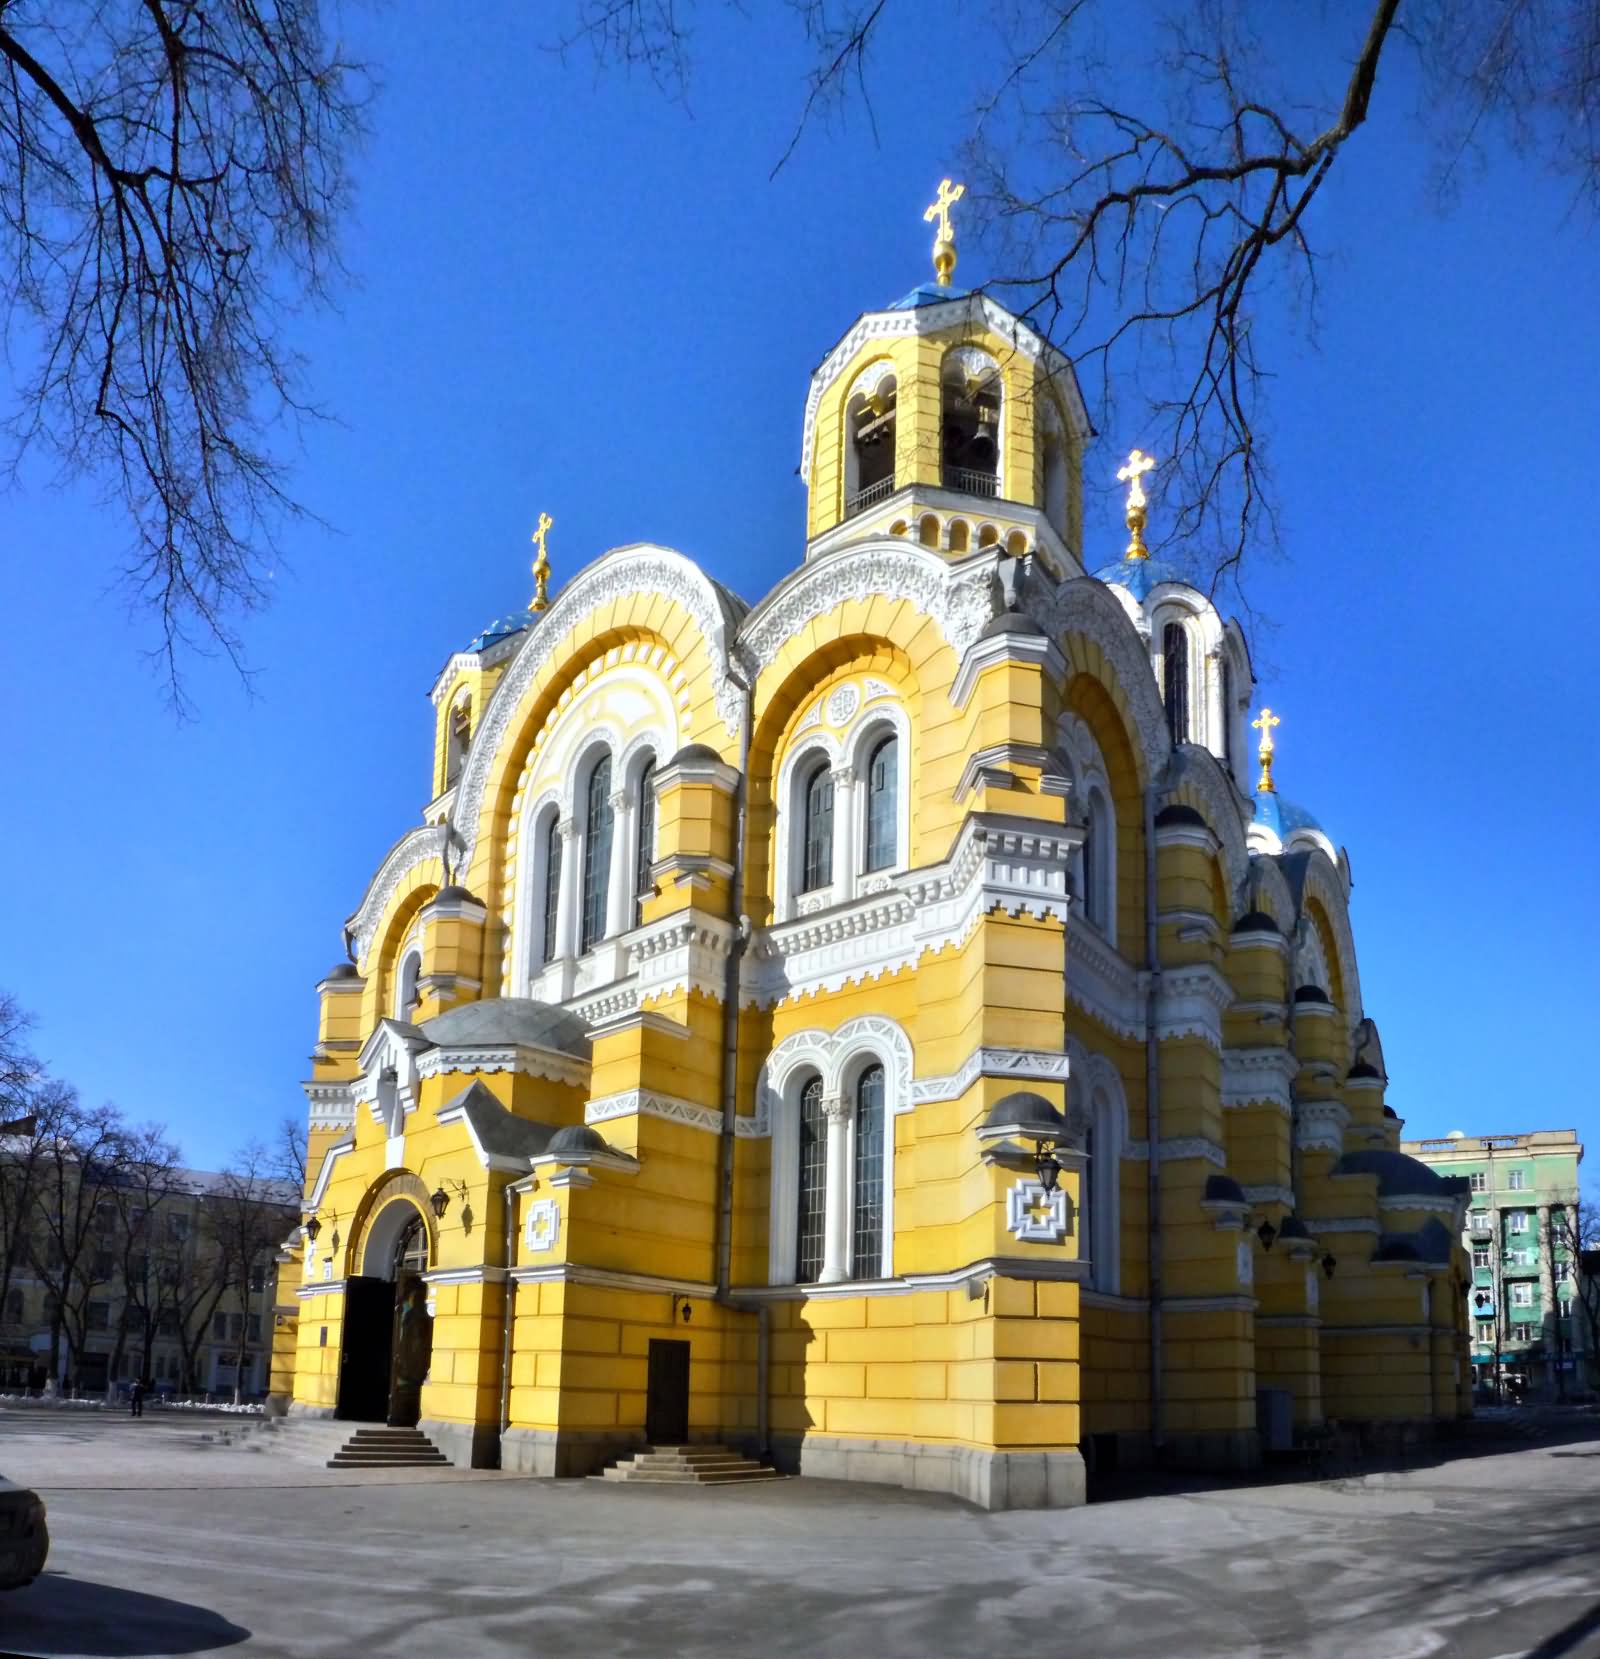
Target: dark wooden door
666, 1406
365, 1350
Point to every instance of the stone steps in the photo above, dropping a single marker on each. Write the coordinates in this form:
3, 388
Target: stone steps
687, 1466
385, 1448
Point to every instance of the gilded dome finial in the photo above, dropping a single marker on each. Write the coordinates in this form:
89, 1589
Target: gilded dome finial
1133, 476
541, 566
944, 242
1263, 723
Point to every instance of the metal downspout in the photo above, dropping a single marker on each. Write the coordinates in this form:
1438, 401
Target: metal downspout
1152, 1095
730, 1084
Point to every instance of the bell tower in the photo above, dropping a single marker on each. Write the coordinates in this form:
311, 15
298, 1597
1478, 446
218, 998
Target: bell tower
949, 420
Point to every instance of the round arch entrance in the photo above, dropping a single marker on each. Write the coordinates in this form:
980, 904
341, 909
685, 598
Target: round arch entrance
387, 1340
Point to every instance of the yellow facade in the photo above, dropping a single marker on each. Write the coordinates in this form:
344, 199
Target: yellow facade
869, 1027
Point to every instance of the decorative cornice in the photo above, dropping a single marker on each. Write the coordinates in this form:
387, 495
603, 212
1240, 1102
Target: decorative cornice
332, 1105
1018, 1064
514, 1057
1319, 1125
1181, 1146
647, 1103
1257, 1076
1035, 649
1270, 1193
1101, 981
1190, 1002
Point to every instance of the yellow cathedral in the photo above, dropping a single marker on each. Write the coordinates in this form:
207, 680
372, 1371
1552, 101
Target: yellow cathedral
879, 1028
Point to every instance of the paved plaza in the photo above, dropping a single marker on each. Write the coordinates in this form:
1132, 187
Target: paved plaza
165, 1542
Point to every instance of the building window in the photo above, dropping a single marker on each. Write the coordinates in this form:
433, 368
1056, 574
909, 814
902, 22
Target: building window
1522, 1295
869, 447
552, 884
1517, 1180
970, 421
457, 741
597, 828
1517, 1221
405, 1000
1479, 1180
1480, 1258
1096, 863
258, 1280
1226, 734
1175, 679
99, 1316
883, 791
14, 1308
1478, 1219
811, 1225
644, 883
817, 830
219, 1327
867, 1227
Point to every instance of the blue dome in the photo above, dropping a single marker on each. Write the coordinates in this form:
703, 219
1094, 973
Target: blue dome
1283, 817
1140, 576
929, 293
504, 628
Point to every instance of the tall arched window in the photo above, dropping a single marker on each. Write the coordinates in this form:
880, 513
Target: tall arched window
869, 452
883, 803
405, 1001
1175, 679
1227, 713
597, 825
816, 868
970, 421
811, 1220
644, 883
866, 1231
552, 884
457, 740
1098, 863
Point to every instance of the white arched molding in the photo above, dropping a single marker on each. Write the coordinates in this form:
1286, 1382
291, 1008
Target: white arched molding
657, 572
532, 888
1087, 608
959, 601
838, 1058
1320, 880
1096, 1099
414, 849
1189, 609
812, 750
1095, 808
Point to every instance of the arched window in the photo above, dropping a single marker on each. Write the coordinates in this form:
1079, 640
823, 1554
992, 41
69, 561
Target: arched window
644, 883
1175, 679
597, 826
866, 1231
552, 884
1098, 863
969, 428
869, 447
457, 739
883, 803
405, 1001
816, 869
1227, 713
811, 1221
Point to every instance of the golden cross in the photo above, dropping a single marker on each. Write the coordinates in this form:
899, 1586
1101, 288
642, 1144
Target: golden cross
541, 565
940, 207
1263, 723
1133, 476
944, 243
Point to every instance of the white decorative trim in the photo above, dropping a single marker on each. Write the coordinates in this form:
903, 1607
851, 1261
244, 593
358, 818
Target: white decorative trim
332, 1105
830, 1053
1269, 1193
1318, 1225
325, 1173
484, 1274
416, 847
1190, 1002
1320, 1125
515, 1057
542, 1225
1035, 1216
1052, 1271
486, 1159
958, 598
1257, 1076
984, 654
1101, 981
1015, 1064
1180, 1146
647, 1103
624, 571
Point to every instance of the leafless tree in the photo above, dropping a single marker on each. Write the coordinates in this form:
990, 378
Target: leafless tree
286, 1160
144, 1188
18, 1067
1147, 215
1575, 1233
171, 178
251, 1211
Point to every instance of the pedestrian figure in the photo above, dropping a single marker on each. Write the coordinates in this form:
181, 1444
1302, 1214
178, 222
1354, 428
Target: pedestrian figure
136, 1399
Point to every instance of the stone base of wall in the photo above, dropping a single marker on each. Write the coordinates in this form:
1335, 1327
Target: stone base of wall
298, 1408
1237, 1449
991, 1480
565, 1451
277, 1405
467, 1445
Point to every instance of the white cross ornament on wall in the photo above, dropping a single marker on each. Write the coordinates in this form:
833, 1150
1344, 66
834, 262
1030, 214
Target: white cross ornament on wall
1035, 1216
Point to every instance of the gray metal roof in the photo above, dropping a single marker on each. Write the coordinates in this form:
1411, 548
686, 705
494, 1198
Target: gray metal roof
498, 1021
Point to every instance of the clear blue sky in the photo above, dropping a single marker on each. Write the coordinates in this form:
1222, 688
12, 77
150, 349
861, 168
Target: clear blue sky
571, 296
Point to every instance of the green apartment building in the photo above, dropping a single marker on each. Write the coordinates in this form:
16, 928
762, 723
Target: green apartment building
1530, 1336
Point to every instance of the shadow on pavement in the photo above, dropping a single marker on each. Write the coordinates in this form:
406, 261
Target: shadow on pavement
1567, 1638
58, 1613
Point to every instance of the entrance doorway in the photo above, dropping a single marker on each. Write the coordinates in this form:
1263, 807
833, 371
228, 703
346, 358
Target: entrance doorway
666, 1406
387, 1341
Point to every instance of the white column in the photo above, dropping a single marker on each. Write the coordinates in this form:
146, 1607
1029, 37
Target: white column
844, 834
1216, 714
836, 1213
619, 891
566, 894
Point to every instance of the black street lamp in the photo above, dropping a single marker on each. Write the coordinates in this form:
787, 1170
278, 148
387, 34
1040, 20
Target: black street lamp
1266, 1232
1329, 1263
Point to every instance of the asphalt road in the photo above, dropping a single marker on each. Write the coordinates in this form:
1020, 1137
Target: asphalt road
165, 1544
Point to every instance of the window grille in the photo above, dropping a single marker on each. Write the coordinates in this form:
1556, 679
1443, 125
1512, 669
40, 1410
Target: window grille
552, 884
1175, 672
598, 823
817, 868
644, 884
867, 1232
883, 788
813, 1184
